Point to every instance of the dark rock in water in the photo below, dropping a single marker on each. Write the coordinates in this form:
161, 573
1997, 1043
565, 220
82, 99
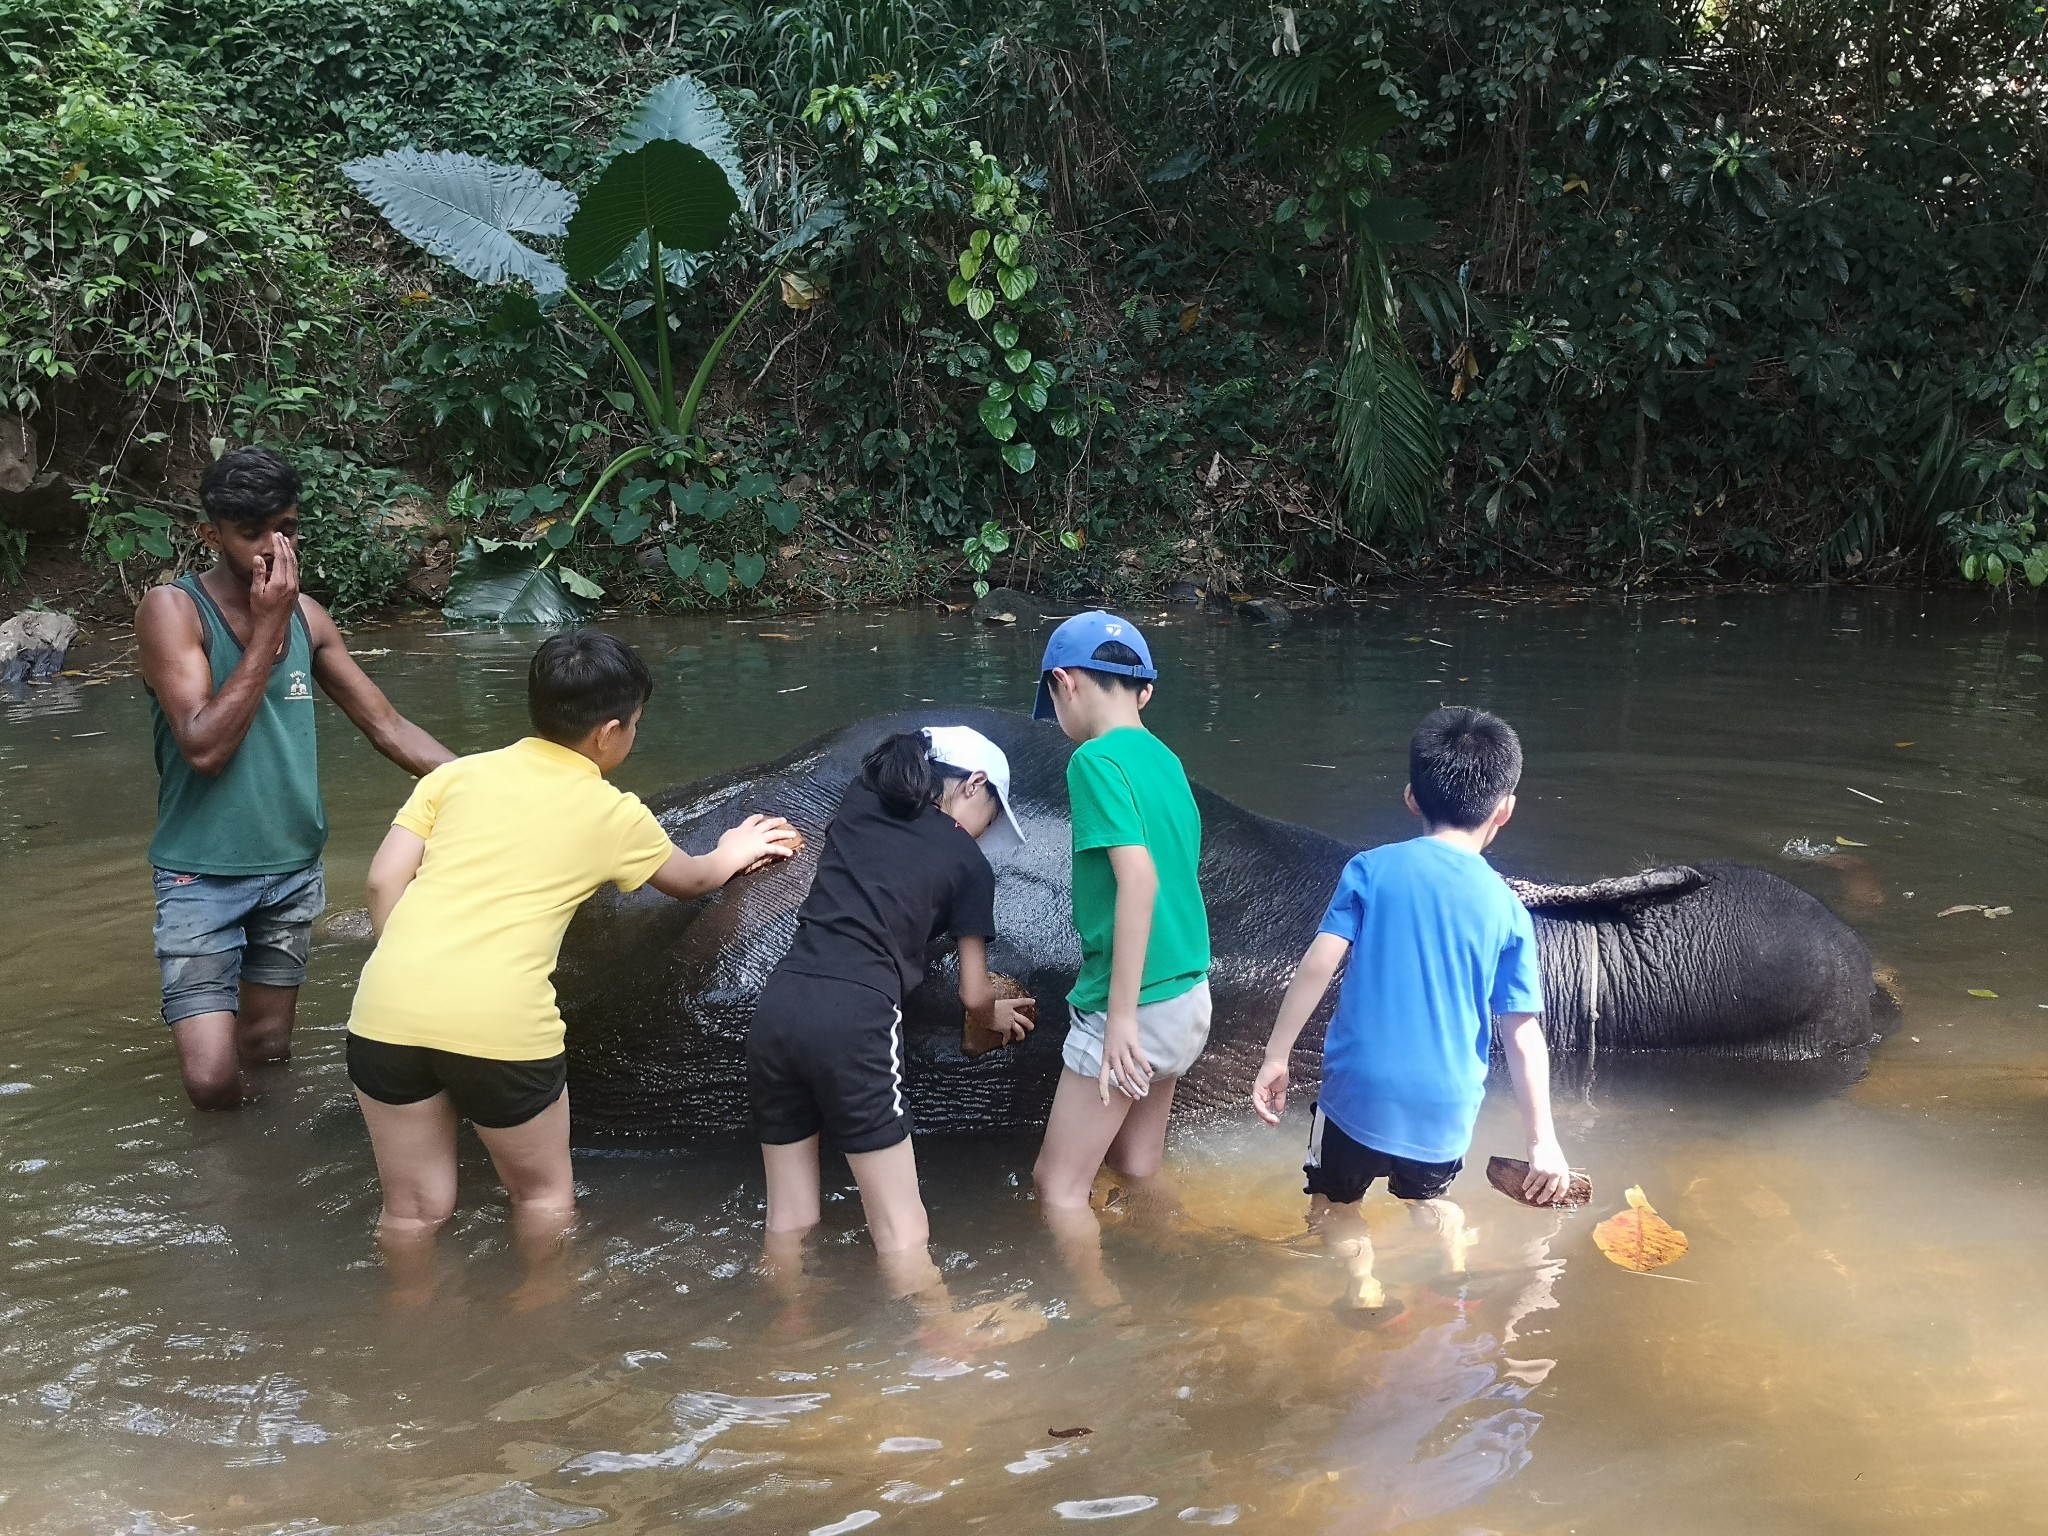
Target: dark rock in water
349, 926
33, 643
1184, 592
1265, 610
1006, 605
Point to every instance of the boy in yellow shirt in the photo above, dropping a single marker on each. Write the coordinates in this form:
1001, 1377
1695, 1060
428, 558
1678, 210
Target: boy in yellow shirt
470, 894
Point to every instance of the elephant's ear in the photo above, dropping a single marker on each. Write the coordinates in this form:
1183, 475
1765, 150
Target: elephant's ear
1650, 885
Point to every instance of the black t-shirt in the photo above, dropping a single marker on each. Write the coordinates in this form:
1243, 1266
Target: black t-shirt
886, 887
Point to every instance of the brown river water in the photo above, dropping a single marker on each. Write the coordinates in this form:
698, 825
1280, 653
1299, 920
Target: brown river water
196, 1333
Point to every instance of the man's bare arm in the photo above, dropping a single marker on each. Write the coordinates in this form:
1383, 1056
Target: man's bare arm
345, 682
210, 726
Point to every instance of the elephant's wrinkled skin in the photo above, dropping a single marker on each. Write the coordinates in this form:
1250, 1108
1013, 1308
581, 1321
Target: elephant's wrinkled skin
1722, 961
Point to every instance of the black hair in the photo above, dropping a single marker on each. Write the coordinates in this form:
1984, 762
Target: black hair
1461, 764
1116, 654
578, 681
906, 777
248, 487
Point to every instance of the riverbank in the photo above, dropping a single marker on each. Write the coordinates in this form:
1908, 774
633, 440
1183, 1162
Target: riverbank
858, 575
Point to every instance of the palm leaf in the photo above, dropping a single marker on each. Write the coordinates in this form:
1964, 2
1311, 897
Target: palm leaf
1388, 446
466, 210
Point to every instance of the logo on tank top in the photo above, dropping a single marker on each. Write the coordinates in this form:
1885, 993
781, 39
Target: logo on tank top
299, 688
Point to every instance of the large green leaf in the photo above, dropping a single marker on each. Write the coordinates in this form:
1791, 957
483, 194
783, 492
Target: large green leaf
466, 211
684, 111
675, 190
496, 583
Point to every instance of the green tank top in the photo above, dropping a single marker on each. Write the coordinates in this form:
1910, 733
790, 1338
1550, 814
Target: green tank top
263, 815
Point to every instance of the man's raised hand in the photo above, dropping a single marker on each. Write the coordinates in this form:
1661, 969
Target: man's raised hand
274, 583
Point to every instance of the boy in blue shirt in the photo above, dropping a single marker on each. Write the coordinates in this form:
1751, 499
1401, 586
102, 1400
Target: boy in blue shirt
1444, 952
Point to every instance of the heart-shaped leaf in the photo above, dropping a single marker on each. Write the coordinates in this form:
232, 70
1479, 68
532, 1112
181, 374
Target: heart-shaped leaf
979, 302
753, 484
1031, 395
782, 516
675, 190
715, 577
504, 584
683, 561
559, 535
749, 568
1005, 333
1021, 457
995, 415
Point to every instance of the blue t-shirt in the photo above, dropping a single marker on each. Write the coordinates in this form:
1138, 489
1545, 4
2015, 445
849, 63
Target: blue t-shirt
1439, 945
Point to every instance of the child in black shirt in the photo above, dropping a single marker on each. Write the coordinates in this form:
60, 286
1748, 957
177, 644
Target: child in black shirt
902, 865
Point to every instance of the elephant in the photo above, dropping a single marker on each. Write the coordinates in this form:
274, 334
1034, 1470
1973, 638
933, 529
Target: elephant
1708, 964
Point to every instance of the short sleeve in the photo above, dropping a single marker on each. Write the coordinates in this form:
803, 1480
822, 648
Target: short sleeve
1345, 916
643, 846
974, 900
1102, 809
1517, 979
423, 806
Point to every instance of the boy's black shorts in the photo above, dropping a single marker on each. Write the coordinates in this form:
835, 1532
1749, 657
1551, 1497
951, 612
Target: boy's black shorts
826, 1055
1342, 1170
496, 1095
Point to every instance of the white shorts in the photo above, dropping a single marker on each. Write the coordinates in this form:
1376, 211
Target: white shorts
1171, 1032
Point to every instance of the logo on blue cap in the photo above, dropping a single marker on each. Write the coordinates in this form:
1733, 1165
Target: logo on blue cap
1074, 644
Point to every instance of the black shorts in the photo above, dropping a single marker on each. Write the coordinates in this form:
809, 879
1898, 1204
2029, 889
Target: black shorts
496, 1095
826, 1055
1342, 1170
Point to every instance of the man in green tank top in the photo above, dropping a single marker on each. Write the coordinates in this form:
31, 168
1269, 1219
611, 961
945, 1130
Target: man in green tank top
229, 658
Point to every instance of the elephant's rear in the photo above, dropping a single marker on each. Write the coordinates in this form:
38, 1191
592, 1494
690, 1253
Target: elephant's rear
1746, 966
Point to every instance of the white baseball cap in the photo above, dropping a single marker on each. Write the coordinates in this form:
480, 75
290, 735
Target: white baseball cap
963, 747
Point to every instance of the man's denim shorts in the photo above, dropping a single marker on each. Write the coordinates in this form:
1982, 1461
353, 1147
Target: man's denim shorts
214, 932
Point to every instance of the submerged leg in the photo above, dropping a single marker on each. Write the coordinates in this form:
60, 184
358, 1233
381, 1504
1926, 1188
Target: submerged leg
1447, 1219
533, 1163
1078, 1135
414, 1147
794, 1196
208, 1061
1344, 1236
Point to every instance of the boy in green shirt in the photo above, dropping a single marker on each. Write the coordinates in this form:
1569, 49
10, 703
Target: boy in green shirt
1141, 1002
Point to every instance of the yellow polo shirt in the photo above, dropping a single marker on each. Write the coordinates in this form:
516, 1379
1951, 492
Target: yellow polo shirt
517, 840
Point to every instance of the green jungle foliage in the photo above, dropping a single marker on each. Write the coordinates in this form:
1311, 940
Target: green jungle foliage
1097, 293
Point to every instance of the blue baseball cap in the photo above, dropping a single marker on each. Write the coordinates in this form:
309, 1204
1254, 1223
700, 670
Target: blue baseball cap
1073, 644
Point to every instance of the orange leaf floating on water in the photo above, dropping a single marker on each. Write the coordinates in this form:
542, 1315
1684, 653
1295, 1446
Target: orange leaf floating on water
1638, 1238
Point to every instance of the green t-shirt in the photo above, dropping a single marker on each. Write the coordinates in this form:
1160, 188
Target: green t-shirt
1127, 789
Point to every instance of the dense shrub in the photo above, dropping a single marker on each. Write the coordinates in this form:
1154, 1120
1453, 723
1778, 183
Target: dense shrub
1618, 292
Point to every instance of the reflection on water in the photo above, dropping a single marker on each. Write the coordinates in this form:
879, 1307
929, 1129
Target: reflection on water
198, 1336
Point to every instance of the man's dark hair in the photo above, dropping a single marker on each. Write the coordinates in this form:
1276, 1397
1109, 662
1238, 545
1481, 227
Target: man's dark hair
1116, 654
580, 680
248, 487
1461, 764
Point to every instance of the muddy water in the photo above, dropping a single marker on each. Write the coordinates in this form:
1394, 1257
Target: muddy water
198, 1335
